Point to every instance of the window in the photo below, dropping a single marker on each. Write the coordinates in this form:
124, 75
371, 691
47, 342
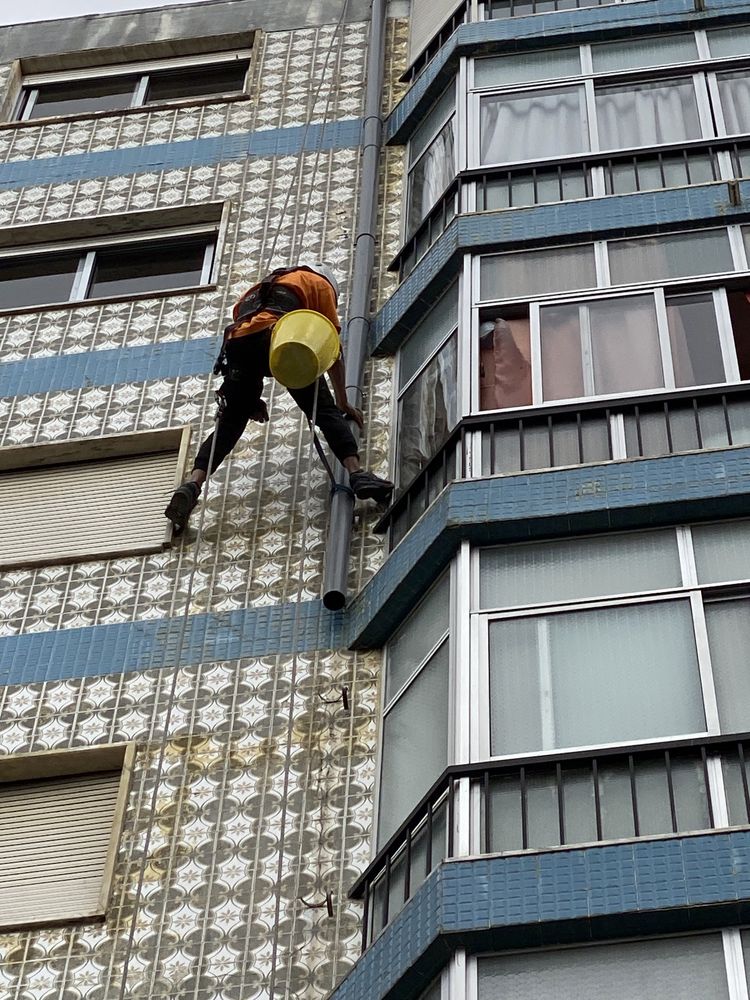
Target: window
60, 823
734, 92
533, 126
415, 724
78, 497
585, 628
114, 89
610, 344
50, 274
432, 164
659, 969
647, 114
427, 401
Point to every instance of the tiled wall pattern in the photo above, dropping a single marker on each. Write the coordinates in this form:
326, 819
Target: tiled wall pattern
261, 792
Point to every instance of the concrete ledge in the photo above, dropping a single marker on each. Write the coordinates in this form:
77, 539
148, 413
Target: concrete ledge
543, 225
594, 893
556, 503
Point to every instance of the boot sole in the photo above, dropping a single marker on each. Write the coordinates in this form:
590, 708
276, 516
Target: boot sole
178, 511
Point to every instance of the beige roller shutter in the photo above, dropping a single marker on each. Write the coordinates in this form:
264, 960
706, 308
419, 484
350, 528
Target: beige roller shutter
427, 18
54, 842
52, 513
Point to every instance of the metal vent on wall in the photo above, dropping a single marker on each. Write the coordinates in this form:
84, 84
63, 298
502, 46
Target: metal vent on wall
54, 841
107, 506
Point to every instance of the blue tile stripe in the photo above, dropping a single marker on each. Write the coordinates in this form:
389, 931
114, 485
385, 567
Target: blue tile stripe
564, 27
105, 649
344, 134
567, 896
126, 364
607, 497
538, 225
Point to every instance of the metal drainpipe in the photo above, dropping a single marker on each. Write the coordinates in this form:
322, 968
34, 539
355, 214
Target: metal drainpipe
358, 323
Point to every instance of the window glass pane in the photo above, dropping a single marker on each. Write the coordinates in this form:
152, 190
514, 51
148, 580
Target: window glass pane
722, 551
536, 272
79, 96
415, 744
734, 41
549, 64
694, 337
198, 81
434, 328
147, 268
638, 53
428, 412
746, 240
728, 625
600, 347
504, 362
647, 115
657, 969
432, 123
37, 280
532, 126
595, 676
675, 256
431, 176
419, 634
513, 575
734, 89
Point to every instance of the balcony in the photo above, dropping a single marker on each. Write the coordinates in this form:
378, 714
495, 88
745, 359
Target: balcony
560, 801
509, 443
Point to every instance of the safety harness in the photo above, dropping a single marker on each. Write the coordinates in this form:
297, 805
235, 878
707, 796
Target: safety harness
266, 296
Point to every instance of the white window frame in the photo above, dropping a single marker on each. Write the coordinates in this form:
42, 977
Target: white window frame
88, 247
458, 144
697, 595
143, 69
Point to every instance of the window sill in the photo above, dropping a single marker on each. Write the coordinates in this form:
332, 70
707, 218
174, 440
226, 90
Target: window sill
138, 297
197, 102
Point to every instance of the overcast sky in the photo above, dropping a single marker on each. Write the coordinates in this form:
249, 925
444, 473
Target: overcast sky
42, 10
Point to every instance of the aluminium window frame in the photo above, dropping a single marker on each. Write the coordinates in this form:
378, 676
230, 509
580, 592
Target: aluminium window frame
87, 248
411, 165
143, 69
696, 593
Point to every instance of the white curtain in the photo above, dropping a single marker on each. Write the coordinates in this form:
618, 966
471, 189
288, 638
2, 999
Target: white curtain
428, 413
650, 115
533, 125
582, 678
735, 101
431, 176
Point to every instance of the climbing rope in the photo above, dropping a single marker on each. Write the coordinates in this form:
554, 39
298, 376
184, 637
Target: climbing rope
180, 644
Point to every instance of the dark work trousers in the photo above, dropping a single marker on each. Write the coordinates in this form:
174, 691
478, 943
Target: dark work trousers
247, 366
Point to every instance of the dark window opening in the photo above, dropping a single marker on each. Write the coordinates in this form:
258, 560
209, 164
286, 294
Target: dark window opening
81, 96
47, 278
147, 268
739, 312
199, 81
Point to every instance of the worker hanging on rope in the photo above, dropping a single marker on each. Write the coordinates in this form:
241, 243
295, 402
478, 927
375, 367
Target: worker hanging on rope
244, 363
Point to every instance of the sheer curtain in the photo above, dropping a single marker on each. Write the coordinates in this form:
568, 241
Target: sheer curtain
604, 675
625, 345
431, 176
735, 100
428, 413
653, 114
532, 125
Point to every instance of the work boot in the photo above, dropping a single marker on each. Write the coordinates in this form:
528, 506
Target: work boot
368, 486
183, 501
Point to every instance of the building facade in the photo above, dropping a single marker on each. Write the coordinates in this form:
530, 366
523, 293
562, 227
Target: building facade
514, 764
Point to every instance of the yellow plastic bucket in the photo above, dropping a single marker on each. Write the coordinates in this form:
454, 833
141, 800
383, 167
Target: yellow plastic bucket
304, 345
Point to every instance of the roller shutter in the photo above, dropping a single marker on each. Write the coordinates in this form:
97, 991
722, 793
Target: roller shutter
427, 18
54, 841
85, 510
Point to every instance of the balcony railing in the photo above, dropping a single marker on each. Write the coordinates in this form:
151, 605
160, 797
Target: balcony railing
577, 434
499, 188
563, 800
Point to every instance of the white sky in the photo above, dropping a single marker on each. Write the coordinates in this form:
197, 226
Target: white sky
12, 12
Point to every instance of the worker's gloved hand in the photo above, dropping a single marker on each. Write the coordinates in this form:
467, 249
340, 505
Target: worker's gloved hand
351, 411
260, 412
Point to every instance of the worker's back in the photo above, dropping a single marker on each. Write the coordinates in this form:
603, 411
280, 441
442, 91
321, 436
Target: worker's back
312, 291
